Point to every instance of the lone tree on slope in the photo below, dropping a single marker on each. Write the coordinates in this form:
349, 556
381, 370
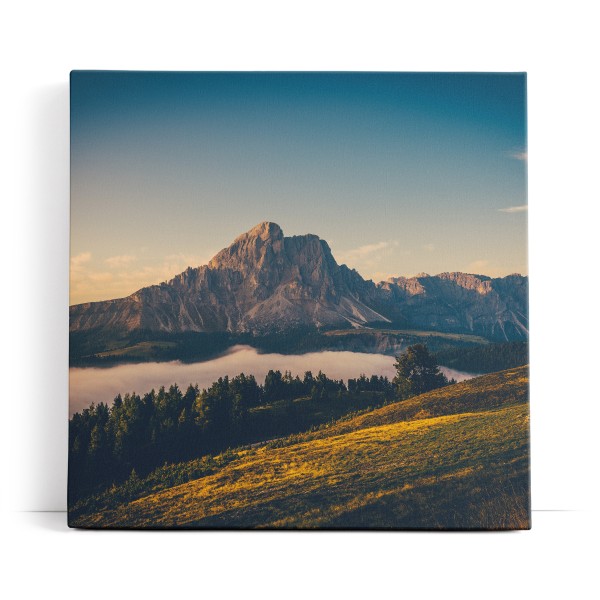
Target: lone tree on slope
417, 372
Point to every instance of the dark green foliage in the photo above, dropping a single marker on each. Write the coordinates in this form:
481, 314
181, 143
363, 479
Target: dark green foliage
140, 433
417, 372
364, 384
486, 359
97, 348
456, 457
162, 478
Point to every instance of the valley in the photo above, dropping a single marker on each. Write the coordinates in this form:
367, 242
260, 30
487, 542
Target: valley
355, 447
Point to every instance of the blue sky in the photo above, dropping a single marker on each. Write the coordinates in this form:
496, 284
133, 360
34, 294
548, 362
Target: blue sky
400, 172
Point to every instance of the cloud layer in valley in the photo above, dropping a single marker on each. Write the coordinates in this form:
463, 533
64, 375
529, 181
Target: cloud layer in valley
89, 385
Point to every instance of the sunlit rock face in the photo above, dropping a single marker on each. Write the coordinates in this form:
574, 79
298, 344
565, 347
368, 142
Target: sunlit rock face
265, 282
459, 302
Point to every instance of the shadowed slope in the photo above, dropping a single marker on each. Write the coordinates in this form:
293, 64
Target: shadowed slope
461, 462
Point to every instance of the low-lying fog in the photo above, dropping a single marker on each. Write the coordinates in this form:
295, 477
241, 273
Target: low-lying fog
90, 384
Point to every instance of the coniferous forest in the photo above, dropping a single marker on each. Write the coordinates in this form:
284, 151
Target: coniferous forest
142, 432
139, 433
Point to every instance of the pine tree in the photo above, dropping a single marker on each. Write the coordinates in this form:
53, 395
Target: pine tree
417, 372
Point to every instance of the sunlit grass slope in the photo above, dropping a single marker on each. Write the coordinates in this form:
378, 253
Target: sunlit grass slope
493, 391
454, 458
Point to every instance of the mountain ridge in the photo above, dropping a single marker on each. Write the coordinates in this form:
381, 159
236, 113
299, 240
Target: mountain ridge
264, 282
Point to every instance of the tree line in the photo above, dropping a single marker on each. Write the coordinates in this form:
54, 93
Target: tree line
487, 358
140, 433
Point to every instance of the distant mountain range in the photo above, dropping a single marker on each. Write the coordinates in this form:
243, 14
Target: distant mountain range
265, 283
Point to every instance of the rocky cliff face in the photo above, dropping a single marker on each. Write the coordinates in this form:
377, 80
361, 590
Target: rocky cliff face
459, 302
265, 282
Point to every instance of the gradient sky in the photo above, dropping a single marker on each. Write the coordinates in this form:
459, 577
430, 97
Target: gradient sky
400, 172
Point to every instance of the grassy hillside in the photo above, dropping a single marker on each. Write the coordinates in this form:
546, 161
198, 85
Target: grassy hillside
453, 458
489, 392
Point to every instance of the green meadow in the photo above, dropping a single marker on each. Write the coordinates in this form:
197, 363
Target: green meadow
453, 458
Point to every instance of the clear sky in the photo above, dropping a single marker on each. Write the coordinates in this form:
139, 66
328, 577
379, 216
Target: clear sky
401, 173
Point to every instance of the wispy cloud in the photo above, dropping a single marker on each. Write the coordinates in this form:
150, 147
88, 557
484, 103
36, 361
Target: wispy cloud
518, 155
91, 281
514, 209
80, 259
429, 247
116, 262
477, 265
485, 267
366, 251
368, 259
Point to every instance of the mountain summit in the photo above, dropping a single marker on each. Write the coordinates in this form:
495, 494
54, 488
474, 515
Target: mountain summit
265, 282
262, 283
251, 248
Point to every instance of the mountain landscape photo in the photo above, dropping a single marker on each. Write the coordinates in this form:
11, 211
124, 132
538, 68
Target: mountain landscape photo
309, 374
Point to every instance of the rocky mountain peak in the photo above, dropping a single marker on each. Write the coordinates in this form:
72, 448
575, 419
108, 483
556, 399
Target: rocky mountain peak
266, 230
265, 282
263, 243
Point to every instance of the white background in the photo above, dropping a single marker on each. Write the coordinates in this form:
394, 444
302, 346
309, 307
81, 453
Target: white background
556, 43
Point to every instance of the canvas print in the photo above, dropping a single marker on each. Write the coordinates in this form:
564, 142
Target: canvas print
298, 301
